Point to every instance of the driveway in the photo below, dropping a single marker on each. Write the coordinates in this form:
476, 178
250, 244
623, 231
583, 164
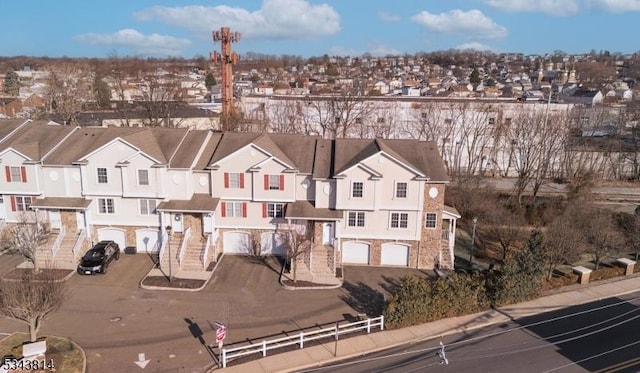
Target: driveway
114, 320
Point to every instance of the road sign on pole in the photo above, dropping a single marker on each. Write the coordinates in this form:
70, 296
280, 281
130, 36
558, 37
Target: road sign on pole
221, 334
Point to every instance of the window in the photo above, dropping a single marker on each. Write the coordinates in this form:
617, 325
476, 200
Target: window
147, 206
399, 220
424, 115
431, 220
21, 203
233, 209
234, 180
401, 190
355, 219
358, 120
105, 206
357, 189
274, 182
381, 120
102, 175
492, 121
143, 177
16, 174
275, 210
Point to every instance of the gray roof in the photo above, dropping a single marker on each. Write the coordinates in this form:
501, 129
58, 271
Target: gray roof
307, 210
63, 203
9, 125
200, 202
158, 143
187, 152
35, 140
420, 155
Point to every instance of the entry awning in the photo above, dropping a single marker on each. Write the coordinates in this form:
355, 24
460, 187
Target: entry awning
200, 202
306, 210
451, 211
61, 203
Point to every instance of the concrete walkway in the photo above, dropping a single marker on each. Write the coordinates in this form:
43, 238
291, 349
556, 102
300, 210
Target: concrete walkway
363, 344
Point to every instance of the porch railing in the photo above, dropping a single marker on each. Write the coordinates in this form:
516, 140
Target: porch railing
445, 235
78, 244
205, 253
58, 241
183, 245
163, 246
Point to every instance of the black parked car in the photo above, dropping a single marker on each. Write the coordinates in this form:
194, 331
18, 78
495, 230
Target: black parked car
98, 258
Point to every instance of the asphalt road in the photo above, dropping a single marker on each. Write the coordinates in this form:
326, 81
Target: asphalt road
601, 336
114, 320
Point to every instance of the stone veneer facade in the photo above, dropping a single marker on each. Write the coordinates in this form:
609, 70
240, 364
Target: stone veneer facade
431, 238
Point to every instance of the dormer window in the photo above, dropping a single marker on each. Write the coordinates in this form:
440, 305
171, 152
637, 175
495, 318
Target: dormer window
143, 177
401, 189
273, 182
102, 175
16, 174
357, 189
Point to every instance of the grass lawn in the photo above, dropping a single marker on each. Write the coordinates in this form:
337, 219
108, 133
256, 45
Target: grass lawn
66, 355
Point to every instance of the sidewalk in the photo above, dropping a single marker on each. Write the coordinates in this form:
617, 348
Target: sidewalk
363, 344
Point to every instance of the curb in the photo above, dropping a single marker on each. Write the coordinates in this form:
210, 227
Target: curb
318, 287
164, 288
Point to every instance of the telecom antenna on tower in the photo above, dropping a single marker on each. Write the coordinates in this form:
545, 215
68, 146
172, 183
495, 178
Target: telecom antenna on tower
227, 59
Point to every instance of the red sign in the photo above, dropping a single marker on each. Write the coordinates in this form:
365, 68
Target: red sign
221, 334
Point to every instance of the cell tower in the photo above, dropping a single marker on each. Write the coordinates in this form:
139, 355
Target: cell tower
227, 59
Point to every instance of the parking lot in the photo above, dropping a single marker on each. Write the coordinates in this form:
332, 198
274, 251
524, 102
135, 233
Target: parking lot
114, 320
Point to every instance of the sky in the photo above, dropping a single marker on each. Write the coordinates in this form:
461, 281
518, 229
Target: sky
182, 28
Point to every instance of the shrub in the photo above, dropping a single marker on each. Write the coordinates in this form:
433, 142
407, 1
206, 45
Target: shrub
422, 300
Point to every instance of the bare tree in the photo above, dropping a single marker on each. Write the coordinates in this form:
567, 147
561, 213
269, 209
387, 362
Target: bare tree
601, 235
298, 240
630, 226
506, 229
286, 117
563, 241
69, 86
26, 236
32, 298
336, 116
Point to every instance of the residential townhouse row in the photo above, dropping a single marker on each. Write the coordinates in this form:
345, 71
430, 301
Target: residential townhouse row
189, 196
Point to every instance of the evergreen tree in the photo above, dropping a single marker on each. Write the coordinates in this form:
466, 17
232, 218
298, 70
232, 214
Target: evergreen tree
11, 83
522, 274
209, 80
474, 77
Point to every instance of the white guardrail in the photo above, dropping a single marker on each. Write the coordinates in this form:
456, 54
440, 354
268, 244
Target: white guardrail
228, 354
183, 246
205, 253
58, 241
78, 244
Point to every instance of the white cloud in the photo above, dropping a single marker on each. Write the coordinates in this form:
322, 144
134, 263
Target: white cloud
374, 48
552, 7
472, 23
276, 19
475, 46
388, 17
616, 6
149, 45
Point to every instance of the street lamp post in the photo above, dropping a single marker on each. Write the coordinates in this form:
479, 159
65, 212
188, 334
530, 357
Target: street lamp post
168, 229
473, 242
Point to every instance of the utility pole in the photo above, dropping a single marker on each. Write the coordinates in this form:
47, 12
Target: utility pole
226, 58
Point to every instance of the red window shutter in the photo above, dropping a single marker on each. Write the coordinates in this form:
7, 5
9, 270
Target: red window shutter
264, 210
266, 182
226, 179
241, 181
281, 186
223, 209
23, 171
13, 203
7, 171
244, 209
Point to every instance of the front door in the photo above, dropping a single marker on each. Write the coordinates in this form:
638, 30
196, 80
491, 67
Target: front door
54, 219
207, 223
327, 234
177, 222
80, 223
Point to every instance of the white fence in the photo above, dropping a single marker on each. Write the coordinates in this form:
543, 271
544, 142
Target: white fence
332, 332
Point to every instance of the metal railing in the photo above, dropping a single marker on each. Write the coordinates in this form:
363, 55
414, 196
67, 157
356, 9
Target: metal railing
205, 253
183, 245
228, 354
78, 244
58, 241
163, 246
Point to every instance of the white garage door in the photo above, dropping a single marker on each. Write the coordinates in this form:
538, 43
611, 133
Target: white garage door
236, 243
355, 253
394, 254
272, 244
147, 240
113, 234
